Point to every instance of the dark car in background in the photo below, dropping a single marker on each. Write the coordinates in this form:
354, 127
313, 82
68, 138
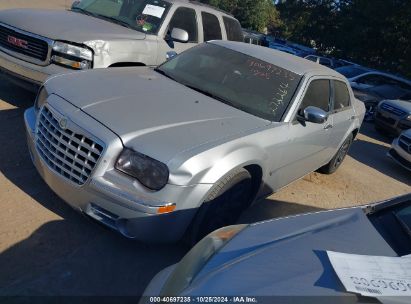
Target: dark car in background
327, 61
287, 257
371, 97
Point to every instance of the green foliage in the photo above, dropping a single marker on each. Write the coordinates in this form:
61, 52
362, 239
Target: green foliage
374, 33
258, 15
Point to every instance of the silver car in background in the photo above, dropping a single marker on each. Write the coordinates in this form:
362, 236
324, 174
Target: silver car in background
185, 148
35, 44
401, 150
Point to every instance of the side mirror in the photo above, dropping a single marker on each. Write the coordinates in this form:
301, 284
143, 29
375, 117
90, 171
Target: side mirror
179, 35
75, 4
315, 115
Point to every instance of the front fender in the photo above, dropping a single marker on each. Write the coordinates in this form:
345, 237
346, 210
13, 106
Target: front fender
210, 166
107, 53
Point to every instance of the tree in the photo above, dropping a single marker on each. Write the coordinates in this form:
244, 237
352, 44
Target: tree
374, 33
253, 14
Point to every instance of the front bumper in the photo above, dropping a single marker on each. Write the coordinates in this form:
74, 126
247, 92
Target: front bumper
25, 74
391, 123
399, 155
112, 198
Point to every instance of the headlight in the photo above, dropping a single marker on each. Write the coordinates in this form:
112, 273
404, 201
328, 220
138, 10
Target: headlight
196, 258
150, 172
41, 98
409, 117
73, 56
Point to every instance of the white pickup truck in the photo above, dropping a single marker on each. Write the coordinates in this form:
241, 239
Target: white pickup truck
35, 44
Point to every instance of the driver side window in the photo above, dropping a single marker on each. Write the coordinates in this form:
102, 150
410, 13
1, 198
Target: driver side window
186, 19
317, 95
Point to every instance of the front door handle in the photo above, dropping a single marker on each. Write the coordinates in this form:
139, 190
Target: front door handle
328, 127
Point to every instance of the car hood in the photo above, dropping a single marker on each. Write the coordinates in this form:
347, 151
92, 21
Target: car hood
58, 25
399, 104
287, 257
151, 113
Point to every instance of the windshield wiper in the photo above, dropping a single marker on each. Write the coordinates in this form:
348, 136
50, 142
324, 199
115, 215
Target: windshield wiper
115, 20
164, 74
83, 11
209, 94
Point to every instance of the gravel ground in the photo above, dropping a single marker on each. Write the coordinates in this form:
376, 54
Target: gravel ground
48, 249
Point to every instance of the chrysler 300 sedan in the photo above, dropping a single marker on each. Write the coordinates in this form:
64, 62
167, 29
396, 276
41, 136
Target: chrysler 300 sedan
183, 149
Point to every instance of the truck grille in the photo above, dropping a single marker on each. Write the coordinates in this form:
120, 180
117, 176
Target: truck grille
23, 43
405, 143
71, 155
392, 110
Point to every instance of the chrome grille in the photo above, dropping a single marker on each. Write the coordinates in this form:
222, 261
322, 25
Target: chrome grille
405, 143
393, 110
33, 47
70, 154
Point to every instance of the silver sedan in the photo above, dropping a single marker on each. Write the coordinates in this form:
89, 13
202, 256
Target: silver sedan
183, 149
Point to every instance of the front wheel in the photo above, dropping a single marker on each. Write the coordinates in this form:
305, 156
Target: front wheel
338, 158
223, 206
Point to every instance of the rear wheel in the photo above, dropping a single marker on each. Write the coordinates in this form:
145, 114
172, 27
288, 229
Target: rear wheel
223, 206
338, 158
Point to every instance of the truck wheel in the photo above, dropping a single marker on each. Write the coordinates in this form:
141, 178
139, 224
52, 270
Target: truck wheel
223, 206
338, 158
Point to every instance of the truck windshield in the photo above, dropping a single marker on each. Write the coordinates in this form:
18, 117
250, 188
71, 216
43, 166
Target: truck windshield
241, 81
142, 15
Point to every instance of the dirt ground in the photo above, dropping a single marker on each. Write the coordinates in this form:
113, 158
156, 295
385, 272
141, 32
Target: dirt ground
48, 249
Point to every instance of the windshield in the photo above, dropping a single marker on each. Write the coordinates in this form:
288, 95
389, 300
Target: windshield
351, 71
394, 225
142, 15
242, 81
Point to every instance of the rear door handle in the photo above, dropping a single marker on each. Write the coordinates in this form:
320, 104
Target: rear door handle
351, 118
328, 127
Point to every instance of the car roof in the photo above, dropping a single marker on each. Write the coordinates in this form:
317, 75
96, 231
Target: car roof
286, 61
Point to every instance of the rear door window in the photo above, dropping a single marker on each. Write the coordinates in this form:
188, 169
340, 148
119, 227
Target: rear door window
186, 19
233, 28
211, 27
341, 96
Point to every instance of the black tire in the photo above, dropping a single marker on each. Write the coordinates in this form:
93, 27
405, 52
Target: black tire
223, 206
338, 158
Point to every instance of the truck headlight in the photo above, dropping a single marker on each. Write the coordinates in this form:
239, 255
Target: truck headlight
148, 171
73, 56
41, 98
192, 263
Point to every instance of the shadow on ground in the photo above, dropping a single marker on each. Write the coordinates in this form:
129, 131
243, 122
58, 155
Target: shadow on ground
268, 209
375, 156
369, 130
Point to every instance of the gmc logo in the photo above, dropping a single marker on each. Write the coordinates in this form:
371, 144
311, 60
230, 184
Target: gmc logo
17, 42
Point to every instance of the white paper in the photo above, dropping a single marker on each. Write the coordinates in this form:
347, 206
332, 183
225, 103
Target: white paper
373, 276
153, 10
